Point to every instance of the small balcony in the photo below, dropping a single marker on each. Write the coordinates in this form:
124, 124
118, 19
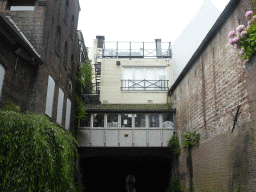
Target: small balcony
144, 85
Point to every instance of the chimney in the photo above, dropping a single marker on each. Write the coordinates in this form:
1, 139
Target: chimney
100, 41
158, 48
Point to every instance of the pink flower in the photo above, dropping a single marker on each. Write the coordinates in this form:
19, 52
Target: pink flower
240, 28
231, 42
235, 39
241, 52
250, 22
231, 34
254, 17
248, 14
243, 33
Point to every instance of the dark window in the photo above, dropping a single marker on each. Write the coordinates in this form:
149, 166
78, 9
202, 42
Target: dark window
72, 62
21, 5
58, 39
66, 54
72, 26
66, 11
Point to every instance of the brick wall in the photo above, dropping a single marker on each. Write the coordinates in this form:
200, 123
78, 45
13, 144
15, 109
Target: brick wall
19, 76
43, 23
205, 99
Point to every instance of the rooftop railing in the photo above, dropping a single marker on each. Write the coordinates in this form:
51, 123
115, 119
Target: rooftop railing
144, 85
136, 50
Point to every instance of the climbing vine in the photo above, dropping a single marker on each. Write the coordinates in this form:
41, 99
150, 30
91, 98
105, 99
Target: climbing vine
174, 144
35, 153
190, 139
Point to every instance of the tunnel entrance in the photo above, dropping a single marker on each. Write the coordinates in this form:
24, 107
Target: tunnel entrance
109, 172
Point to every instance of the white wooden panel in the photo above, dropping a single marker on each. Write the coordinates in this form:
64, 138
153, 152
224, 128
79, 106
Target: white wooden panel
60, 106
167, 134
140, 137
112, 137
2, 72
49, 97
125, 141
68, 110
83, 137
98, 137
154, 137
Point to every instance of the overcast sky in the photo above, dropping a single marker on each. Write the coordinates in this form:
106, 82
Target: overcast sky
138, 20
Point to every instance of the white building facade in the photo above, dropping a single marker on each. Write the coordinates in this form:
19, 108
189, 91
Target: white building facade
132, 81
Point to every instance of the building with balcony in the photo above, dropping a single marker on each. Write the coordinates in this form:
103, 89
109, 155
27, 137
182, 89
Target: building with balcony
129, 105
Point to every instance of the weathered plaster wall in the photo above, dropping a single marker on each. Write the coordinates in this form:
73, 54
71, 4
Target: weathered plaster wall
206, 97
111, 76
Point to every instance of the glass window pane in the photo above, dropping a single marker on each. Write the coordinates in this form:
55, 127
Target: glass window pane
113, 120
98, 120
167, 120
86, 122
140, 120
153, 120
126, 120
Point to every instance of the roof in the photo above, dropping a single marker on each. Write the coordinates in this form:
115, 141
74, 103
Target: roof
7, 25
215, 28
133, 108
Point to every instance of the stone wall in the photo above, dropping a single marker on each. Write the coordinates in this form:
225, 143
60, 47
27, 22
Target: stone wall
206, 99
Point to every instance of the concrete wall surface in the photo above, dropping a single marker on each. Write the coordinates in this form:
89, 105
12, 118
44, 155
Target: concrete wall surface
206, 101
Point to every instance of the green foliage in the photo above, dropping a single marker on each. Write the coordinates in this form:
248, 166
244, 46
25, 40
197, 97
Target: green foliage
175, 186
248, 43
174, 144
190, 139
85, 74
10, 106
80, 109
35, 154
169, 105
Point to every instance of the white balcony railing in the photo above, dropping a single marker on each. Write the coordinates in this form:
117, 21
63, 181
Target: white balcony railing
124, 137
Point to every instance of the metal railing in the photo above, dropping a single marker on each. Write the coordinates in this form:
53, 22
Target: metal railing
92, 88
144, 85
136, 49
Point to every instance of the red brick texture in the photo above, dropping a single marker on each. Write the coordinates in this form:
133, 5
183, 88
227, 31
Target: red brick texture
204, 100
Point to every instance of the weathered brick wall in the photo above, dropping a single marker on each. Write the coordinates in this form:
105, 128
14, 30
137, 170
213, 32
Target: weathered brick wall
19, 76
205, 99
43, 22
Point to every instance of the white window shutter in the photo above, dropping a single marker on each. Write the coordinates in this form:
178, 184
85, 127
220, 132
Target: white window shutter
60, 106
50, 96
2, 72
68, 110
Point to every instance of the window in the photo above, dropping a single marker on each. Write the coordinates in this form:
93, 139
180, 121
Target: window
49, 97
21, 5
167, 120
98, 120
144, 78
72, 28
58, 39
68, 110
153, 120
72, 62
65, 55
126, 120
2, 72
60, 106
66, 11
112, 120
140, 120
